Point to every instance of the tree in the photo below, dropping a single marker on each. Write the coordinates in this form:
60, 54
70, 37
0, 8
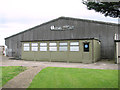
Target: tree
111, 9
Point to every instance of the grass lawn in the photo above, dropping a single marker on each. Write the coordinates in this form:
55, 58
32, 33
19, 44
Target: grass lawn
9, 72
58, 77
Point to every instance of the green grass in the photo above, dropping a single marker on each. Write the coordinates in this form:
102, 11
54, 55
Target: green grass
57, 77
10, 72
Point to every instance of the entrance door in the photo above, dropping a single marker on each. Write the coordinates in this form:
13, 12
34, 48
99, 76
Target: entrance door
87, 52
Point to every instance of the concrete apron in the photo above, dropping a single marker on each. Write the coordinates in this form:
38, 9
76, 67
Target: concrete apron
24, 79
98, 65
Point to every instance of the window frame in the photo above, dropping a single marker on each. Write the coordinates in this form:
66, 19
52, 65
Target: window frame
26, 46
53, 46
75, 45
32, 46
44, 46
63, 46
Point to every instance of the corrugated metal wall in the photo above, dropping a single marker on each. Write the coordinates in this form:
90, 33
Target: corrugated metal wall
82, 29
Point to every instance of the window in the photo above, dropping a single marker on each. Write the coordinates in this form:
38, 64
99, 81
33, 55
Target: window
74, 46
34, 46
63, 46
43, 46
26, 44
52, 46
74, 43
86, 47
26, 47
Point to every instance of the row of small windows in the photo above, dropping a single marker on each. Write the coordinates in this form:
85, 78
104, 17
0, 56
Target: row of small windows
74, 46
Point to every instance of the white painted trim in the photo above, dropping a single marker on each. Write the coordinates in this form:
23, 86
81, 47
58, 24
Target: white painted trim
117, 51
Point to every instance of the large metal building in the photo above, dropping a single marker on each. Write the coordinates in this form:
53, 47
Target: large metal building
66, 28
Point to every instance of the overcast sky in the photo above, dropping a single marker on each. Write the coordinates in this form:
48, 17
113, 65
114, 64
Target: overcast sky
19, 15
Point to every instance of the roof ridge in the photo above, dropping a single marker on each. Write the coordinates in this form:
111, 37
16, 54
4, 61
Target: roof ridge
63, 17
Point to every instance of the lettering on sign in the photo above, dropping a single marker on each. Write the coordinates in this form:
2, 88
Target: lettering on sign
66, 27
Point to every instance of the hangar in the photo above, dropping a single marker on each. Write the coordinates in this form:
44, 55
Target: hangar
60, 34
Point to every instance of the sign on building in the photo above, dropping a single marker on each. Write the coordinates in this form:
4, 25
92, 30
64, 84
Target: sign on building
65, 27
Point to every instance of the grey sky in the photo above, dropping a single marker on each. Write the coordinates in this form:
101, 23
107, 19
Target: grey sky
19, 15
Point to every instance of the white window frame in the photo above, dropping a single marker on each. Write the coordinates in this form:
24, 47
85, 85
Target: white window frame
26, 45
55, 48
74, 44
53, 45
33, 46
76, 48
43, 45
63, 45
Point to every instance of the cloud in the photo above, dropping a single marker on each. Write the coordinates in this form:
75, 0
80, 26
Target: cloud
34, 10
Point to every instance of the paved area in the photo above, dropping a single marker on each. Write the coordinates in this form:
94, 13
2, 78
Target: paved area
104, 64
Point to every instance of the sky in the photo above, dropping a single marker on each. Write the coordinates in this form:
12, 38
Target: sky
20, 15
